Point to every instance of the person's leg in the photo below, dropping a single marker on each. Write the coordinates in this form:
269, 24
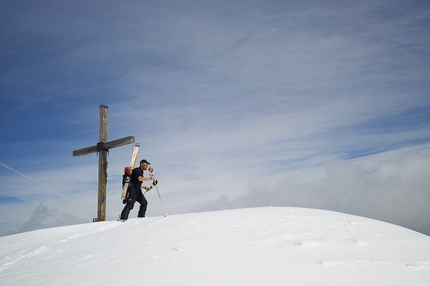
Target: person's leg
130, 203
143, 204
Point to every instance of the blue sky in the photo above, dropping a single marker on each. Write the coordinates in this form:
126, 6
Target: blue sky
236, 104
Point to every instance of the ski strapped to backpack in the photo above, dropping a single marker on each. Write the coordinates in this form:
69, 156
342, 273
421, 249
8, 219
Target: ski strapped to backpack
127, 171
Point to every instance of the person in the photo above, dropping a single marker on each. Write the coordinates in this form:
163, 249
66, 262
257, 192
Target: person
135, 192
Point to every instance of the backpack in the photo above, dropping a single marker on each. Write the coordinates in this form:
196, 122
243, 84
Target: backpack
127, 176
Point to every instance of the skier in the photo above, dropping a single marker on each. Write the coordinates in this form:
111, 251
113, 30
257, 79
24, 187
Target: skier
134, 190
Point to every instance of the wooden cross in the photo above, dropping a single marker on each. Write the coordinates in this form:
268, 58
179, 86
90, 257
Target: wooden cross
102, 148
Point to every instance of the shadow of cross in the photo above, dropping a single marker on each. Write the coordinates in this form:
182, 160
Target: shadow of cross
102, 148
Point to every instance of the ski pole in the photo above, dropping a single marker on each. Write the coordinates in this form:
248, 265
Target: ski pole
165, 214
155, 183
158, 192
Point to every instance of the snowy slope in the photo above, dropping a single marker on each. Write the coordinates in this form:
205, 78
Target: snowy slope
260, 246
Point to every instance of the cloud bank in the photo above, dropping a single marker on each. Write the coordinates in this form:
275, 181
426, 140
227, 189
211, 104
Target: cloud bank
394, 190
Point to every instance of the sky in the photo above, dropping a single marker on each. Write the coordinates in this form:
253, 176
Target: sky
251, 246
319, 104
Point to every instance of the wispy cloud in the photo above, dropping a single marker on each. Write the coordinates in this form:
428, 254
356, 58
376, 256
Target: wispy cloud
34, 181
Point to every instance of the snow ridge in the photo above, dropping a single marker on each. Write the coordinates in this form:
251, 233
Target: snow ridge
255, 246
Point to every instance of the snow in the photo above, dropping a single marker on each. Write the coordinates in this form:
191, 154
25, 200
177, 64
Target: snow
254, 246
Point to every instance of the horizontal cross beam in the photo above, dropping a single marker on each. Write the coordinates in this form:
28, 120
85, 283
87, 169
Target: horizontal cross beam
103, 146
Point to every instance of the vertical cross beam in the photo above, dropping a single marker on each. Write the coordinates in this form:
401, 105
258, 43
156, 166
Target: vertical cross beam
101, 205
102, 148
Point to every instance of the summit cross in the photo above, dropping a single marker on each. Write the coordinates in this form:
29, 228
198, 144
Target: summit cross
102, 148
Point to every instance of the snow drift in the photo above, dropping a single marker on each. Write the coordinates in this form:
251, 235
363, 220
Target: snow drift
259, 246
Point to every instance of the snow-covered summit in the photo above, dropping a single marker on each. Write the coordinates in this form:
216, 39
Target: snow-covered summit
256, 246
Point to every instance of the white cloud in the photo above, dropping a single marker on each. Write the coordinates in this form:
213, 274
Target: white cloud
390, 186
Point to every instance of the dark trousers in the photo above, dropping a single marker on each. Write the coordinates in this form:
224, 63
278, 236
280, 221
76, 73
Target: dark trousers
133, 196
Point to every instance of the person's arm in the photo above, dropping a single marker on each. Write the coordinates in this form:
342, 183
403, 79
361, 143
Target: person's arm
142, 179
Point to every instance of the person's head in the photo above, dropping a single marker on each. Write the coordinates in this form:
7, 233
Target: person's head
144, 164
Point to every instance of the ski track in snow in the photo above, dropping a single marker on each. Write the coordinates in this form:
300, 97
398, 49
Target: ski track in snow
262, 246
51, 247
